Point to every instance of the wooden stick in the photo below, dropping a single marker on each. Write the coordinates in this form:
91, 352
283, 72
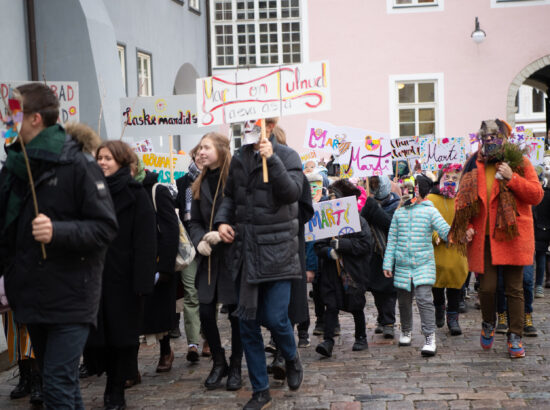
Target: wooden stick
368, 187
171, 147
264, 161
396, 169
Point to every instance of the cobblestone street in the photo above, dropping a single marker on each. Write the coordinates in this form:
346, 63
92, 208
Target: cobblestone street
385, 376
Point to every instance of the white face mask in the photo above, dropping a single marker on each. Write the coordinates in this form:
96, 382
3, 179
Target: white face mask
252, 132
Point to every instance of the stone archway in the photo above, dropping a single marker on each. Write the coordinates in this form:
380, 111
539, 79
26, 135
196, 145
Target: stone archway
185, 82
523, 77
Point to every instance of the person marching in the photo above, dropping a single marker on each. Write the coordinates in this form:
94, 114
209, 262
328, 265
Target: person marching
451, 265
410, 259
214, 282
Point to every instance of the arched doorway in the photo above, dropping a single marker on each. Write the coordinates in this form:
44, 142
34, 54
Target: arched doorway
186, 83
527, 92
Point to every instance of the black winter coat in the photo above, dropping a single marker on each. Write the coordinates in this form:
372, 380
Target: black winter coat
66, 287
130, 265
160, 306
355, 250
221, 288
379, 221
265, 215
541, 219
182, 184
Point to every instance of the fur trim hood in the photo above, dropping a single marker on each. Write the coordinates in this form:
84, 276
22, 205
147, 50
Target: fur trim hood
84, 135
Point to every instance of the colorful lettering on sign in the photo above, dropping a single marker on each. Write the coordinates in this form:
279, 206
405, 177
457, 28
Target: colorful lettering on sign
328, 217
155, 119
374, 164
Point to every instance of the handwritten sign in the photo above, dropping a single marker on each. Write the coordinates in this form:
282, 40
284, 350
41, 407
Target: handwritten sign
406, 148
534, 145
327, 137
333, 218
248, 94
436, 152
160, 163
308, 156
65, 91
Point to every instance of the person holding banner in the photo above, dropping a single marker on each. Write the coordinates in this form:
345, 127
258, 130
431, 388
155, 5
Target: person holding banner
261, 220
493, 225
214, 282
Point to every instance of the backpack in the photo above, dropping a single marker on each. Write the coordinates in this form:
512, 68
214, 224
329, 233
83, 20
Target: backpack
186, 250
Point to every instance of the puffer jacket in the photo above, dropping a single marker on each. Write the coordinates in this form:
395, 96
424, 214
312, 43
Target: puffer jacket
409, 252
264, 215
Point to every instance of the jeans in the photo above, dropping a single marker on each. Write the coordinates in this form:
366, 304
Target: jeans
540, 262
191, 318
385, 305
272, 313
210, 329
425, 303
453, 298
58, 349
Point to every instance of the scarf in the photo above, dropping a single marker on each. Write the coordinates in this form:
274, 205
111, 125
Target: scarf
118, 180
44, 151
193, 172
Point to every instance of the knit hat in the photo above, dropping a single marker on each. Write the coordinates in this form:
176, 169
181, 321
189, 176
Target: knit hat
424, 185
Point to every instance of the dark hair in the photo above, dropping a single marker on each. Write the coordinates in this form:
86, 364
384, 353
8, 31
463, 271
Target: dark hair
343, 188
39, 98
121, 152
424, 185
221, 144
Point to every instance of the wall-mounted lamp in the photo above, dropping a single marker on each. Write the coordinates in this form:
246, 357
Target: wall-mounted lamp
478, 35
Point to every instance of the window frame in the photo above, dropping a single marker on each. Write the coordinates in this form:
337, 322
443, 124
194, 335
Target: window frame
256, 21
518, 3
150, 55
192, 8
439, 97
393, 8
525, 111
121, 51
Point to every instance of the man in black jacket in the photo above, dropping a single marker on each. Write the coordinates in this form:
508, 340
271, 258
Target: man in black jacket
261, 220
56, 296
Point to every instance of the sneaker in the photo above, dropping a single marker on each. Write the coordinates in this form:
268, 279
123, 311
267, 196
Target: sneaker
429, 349
270, 346
360, 344
502, 324
539, 291
259, 401
388, 332
405, 339
337, 330
379, 329
487, 335
303, 341
528, 328
515, 346
319, 329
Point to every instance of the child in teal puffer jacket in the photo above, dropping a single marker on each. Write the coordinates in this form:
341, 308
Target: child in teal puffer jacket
409, 258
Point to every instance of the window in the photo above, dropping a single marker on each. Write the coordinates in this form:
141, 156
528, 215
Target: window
145, 82
121, 49
413, 6
195, 5
530, 104
516, 3
256, 32
417, 105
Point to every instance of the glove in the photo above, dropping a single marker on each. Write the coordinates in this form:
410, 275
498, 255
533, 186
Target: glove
204, 248
334, 243
212, 237
333, 254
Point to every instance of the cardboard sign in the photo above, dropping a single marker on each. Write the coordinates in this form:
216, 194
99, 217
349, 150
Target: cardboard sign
333, 218
534, 145
326, 137
160, 163
65, 91
406, 148
159, 116
249, 94
311, 155
436, 152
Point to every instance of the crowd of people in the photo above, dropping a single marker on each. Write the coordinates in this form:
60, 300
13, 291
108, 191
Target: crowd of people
93, 272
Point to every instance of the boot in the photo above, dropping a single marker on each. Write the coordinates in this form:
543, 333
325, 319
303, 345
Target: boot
278, 366
218, 372
452, 324
259, 401
23, 388
325, 348
360, 344
234, 380
294, 372
528, 328
36, 384
440, 315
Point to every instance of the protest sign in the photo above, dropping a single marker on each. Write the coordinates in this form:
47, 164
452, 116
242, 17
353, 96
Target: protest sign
249, 94
436, 152
65, 91
145, 145
159, 116
534, 145
308, 156
333, 218
160, 163
406, 148
326, 137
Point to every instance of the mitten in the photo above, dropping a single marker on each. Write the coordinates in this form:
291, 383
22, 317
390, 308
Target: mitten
333, 254
334, 243
212, 237
204, 248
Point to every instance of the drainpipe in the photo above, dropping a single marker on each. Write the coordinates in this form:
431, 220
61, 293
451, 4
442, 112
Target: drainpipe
208, 34
31, 28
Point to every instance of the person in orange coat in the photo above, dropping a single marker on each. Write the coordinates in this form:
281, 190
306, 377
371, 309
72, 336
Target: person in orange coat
494, 224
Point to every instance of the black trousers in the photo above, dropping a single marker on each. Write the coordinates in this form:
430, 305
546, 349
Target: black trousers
331, 321
120, 366
209, 326
385, 305
318, 301
453, 297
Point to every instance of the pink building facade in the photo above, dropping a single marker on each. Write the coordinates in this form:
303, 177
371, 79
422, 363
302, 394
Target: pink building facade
410, 67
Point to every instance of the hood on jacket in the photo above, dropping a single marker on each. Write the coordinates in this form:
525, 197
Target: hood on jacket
384, 187
84, 135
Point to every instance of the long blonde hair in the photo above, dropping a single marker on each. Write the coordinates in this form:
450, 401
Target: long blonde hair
221, 144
